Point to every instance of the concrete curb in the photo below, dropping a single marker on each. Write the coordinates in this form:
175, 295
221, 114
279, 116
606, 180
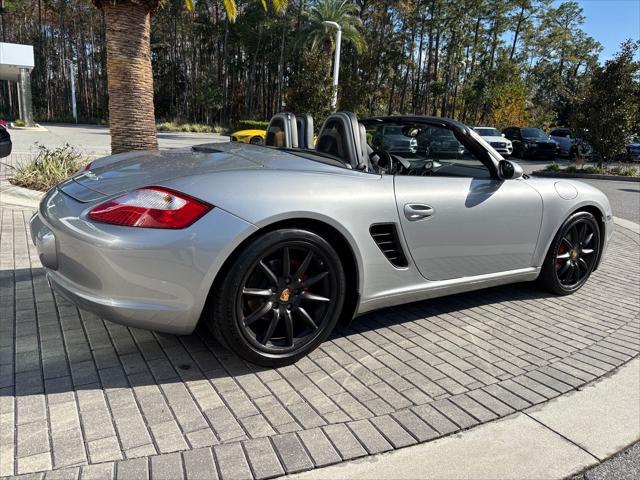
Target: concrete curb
628, 224
556, 439
619, 178
19, 196
37, 128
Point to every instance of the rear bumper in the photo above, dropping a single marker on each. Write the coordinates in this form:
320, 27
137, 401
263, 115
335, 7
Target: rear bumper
145, 278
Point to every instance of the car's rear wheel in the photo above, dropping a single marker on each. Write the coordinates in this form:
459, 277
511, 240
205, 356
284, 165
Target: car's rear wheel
572, 255
256, 141
281, 297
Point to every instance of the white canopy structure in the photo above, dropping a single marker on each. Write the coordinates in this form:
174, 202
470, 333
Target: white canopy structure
16, 63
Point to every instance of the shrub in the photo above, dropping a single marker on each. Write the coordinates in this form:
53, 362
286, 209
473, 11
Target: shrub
188, 127
624, 171
552, 167
48, 168
252, 125
571, 169
595, 170
19, 123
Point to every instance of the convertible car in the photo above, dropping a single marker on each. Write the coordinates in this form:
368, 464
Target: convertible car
270, 246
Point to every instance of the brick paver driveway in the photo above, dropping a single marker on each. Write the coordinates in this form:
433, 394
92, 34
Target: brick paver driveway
88, 398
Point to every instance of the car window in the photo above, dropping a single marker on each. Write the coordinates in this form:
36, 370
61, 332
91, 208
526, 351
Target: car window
560, 133
430, 151
512, 133
488, 132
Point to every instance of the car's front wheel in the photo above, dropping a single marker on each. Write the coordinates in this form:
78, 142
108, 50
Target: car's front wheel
256, 141
281, 297
572, 255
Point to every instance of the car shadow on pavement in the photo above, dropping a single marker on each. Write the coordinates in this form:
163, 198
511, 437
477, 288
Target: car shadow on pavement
59, 348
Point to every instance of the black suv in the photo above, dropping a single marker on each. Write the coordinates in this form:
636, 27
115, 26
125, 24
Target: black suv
531, 143
5, 142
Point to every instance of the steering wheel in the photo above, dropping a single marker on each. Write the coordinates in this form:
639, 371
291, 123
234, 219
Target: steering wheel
383, 160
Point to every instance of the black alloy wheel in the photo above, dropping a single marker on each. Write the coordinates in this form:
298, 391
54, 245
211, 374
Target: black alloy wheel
282, 297
573, 254
256, 141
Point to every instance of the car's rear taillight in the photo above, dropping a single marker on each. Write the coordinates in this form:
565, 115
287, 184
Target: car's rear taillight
151, 207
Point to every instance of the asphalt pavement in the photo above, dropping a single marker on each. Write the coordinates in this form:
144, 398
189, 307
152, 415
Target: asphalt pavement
623, 466
95, 139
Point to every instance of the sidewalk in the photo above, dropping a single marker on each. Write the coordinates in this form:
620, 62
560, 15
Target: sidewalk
553, 440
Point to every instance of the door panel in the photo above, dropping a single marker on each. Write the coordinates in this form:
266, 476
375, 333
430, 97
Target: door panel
473, 226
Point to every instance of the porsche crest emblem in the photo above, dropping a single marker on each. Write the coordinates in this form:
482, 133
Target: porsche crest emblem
284, 296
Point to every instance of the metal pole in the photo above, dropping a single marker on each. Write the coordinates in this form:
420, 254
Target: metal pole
73, 92
336, 61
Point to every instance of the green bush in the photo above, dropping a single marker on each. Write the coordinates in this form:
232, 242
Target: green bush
594, 170
571, 169
188, 127
552, 167
19, 123
252, 125
624, 171
48, 168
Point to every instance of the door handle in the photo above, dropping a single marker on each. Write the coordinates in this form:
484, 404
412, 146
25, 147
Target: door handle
417, 211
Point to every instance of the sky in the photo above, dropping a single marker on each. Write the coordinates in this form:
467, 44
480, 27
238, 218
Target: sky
611, 22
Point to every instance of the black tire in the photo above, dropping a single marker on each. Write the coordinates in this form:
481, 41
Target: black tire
256, 141
572, 256
272, 315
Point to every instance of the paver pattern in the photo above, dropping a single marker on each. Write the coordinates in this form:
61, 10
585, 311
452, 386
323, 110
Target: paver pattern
85, 398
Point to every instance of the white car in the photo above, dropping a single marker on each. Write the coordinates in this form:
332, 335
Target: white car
496, 139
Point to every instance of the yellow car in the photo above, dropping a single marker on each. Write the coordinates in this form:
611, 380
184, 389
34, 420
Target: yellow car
255, 137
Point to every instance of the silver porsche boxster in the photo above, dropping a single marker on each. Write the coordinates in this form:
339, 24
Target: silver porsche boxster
270, 246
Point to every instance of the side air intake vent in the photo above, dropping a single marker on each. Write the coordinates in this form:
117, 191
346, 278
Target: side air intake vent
386, 236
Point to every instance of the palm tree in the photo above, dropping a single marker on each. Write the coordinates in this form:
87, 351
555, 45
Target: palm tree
129, 76
316, 33
130, 80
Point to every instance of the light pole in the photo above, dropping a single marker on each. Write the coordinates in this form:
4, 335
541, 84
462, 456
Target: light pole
336, 61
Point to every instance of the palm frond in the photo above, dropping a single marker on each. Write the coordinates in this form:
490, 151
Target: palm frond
280, 6
189, 5
232, 10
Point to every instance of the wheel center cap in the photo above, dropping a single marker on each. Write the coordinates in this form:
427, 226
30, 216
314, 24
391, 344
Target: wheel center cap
284, 296
574, 254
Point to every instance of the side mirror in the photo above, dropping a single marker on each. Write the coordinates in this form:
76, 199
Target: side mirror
508, 170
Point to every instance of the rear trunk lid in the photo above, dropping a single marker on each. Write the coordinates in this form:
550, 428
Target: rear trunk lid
124, 172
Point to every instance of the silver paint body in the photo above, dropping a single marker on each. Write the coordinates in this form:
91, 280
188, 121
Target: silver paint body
483, 232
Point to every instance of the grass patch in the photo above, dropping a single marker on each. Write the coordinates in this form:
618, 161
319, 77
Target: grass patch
625, 171
189, 127
48, 168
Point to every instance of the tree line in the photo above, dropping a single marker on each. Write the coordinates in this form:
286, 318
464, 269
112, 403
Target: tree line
498, 62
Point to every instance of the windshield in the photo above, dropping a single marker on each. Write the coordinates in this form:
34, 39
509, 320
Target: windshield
533, 133
488, 132
392, 130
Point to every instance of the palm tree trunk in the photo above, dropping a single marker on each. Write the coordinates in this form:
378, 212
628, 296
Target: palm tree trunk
130, 79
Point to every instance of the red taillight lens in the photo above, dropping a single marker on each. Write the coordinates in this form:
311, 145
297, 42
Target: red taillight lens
151, 207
